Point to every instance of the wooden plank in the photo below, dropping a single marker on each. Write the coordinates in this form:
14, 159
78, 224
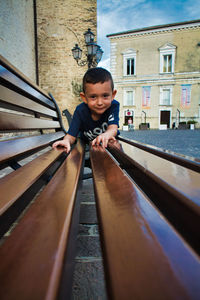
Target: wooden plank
175, 190
4, 62
15, 184
145, 258
11, 149
32, 256
183, 160
11, 122
25, 86
183, 182
19, 100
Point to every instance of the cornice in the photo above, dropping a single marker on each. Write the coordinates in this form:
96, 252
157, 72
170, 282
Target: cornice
156, 81
156, 30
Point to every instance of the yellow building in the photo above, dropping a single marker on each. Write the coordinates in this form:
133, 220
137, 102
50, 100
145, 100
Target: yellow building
156, 72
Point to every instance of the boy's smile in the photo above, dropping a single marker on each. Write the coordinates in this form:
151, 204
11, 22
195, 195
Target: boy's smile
98, 97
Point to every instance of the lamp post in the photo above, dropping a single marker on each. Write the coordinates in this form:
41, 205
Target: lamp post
94, 51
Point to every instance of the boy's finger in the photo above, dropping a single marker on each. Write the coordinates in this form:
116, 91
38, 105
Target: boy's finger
55, 145
93, 142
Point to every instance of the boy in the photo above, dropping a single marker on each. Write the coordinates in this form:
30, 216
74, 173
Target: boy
97, 118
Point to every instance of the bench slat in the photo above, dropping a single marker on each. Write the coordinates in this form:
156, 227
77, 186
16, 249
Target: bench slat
25, 87
145, 258
32, 255
14, 98
175, 190
192, 163
16, 122
17, 72
15, 184
177, 179
13, 148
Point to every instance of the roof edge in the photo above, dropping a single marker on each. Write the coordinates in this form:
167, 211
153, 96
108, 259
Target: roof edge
153, 27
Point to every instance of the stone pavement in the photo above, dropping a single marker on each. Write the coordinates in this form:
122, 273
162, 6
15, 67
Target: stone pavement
89, 283
186, 142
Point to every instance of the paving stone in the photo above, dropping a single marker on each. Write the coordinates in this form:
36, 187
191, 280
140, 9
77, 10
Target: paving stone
87, 198
88, 213
91, 230
180, 141
88, 246
87, 187
89, 283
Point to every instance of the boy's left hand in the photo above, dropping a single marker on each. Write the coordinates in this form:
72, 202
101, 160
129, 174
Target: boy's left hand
103, 140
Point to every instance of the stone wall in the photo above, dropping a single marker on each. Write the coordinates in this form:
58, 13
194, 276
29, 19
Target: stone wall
61, 24
17, 43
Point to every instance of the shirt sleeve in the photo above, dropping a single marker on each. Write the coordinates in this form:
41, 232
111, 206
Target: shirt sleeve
75, 124
113, 117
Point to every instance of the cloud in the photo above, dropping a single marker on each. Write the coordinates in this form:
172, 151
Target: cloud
105, 64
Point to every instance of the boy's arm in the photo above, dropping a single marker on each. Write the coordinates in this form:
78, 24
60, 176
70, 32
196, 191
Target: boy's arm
104, 138
66, 143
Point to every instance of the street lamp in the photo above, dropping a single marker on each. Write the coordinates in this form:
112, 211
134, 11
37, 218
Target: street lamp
94, 51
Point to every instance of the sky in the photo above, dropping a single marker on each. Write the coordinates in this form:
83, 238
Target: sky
121, 15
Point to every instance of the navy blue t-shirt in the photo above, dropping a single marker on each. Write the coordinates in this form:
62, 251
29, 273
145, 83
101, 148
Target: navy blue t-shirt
89, 129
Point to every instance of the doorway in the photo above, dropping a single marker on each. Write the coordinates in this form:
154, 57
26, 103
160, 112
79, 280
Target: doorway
165, 117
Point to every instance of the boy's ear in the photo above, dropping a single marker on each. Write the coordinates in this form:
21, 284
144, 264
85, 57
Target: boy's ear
114, 94
83, 97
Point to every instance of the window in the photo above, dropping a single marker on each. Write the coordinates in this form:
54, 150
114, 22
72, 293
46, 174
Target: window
167, 63
166, 95
130, 66
128, 97
167, 58
129, 62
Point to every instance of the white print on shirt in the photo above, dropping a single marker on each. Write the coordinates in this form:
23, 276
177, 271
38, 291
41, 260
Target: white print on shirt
91, 135
111, 118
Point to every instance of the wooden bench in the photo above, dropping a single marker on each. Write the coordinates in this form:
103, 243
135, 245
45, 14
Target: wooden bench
149, 214
38, 192
147, 200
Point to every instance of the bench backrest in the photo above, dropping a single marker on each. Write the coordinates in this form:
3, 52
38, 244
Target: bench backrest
30, 122
39, 208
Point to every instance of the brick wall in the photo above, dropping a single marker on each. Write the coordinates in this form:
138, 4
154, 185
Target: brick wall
61, 24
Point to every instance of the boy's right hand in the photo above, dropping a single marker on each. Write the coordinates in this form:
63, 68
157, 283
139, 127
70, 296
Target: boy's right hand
64, 143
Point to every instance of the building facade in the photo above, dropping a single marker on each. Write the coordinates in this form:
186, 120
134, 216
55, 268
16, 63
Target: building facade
156, 72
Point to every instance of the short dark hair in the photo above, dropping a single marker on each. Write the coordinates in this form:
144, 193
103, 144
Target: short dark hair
95, 75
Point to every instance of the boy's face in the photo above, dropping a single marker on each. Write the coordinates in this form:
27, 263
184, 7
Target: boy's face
98, 97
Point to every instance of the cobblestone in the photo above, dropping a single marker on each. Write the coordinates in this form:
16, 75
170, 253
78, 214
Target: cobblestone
185, 142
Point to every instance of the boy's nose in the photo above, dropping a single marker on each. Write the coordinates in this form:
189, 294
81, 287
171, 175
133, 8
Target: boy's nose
99, 101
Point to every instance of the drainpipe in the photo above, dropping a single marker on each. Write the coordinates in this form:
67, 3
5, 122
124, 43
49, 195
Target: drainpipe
36, 41
145, 118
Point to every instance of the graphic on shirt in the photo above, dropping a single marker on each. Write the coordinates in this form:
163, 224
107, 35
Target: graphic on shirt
111, 118
92, 134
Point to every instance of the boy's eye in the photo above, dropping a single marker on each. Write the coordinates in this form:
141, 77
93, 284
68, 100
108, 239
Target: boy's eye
106, 95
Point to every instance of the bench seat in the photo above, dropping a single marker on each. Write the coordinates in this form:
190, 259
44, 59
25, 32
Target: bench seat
145, 256
174, 189
32, 256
